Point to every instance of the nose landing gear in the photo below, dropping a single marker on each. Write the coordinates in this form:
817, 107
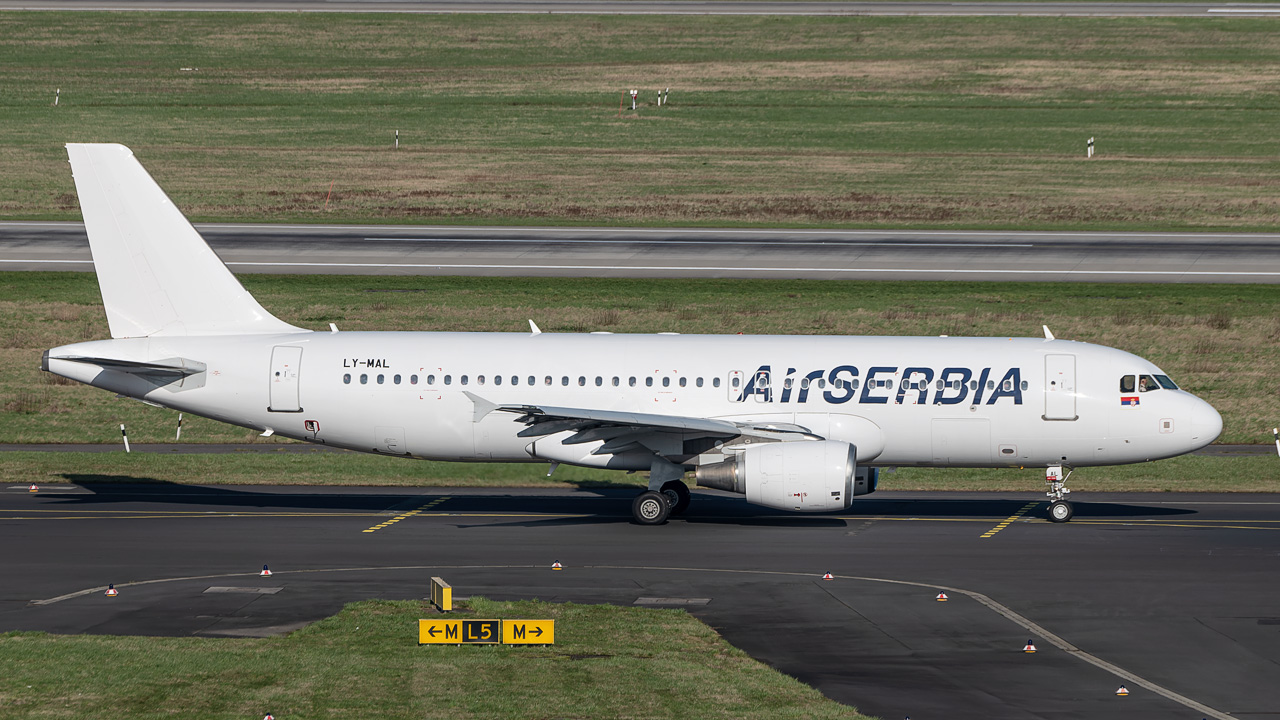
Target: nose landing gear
1060, 510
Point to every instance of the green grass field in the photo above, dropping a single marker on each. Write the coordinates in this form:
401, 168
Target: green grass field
365, 663
850, 121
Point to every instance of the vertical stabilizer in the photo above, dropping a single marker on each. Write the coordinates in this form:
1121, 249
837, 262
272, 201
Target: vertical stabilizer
157, 275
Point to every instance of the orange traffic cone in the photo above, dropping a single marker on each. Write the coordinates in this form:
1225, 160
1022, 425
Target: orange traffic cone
828, 576
1122, 691
942, 597
266, 572
556, 566
111, 591
1030, 648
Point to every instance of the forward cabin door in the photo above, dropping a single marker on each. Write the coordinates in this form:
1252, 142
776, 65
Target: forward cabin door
1060, 387
285, 363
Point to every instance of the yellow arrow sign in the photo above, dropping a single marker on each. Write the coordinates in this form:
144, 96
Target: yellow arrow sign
457, 632
529, 632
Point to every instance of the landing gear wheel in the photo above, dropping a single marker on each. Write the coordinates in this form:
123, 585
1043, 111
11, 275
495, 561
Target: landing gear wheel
1060, 511
678, 495
651, 508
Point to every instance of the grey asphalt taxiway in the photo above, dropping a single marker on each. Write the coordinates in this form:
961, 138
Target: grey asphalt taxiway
695, 253
1171, 595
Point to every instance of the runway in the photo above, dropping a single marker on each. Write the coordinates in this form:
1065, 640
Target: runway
677, 7
695, 253
1171, 594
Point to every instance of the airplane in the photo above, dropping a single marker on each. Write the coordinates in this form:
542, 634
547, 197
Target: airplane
798, 423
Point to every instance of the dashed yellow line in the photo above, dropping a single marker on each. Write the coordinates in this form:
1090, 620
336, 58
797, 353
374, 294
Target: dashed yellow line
402, 516
1011, 519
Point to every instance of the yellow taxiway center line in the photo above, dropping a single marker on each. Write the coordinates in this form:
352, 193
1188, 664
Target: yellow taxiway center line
1009, 520
403, 516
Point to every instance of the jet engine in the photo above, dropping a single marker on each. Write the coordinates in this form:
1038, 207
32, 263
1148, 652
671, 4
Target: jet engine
805, 475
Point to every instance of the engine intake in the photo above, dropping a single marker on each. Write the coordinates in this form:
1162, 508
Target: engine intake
809, 475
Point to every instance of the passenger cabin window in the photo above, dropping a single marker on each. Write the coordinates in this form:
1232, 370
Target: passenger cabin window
381, 378
616, 381
448, 379
547, 381
666, 382
532, 380
582, 380
347, 378
364, 379
699, 382
715, 382
479, 379
497, 379
648, 382
462, 380
599, 381
564, 380
431, 379
683, 381
396, 379
631, 382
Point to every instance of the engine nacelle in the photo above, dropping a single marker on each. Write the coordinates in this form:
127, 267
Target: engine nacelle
804, 475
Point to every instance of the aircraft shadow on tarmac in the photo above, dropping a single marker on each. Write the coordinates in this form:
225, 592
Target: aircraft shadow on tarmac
585, 505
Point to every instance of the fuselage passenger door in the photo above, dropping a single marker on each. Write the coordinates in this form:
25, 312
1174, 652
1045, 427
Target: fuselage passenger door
286, 361
1060, 387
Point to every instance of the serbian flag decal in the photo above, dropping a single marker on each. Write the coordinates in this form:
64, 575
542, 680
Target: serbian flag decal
1129, 401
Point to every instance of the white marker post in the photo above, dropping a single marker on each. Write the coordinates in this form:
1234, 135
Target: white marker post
1276, 433
397, 139
666, 96
179, 435
56, 94
124, 435
1090, 148
634, 93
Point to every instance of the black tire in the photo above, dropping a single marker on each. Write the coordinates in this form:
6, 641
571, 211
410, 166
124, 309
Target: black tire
651, 508
1060, 511
678, 495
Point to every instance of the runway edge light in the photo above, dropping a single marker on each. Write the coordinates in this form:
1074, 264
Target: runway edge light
266, 572
1030, 648
1122, 691
33, 488
942, 597
111, 591
556, 565
828, 576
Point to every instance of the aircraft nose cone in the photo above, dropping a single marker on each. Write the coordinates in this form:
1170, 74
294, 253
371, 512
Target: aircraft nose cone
1206, 424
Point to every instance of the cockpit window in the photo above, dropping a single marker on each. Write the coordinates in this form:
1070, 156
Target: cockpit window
1127, 383
1165, 382
1147, 383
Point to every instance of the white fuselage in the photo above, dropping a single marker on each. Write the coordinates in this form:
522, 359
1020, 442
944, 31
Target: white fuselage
925, 401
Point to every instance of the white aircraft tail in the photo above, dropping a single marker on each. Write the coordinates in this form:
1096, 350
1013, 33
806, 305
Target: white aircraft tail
158, 277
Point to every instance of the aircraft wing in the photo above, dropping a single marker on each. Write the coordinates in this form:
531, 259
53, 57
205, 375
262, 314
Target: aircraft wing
619, 427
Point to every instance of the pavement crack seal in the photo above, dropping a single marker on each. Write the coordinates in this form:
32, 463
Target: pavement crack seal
402, 516
1027, 624
1010, 520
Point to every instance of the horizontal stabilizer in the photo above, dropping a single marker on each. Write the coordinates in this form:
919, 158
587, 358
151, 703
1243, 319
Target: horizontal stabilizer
177, 367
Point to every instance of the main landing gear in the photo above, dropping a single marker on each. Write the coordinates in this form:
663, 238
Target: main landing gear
1060, 510
655, 507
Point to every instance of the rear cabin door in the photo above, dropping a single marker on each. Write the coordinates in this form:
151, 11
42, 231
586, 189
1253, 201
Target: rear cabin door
1060, 387
285, 363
